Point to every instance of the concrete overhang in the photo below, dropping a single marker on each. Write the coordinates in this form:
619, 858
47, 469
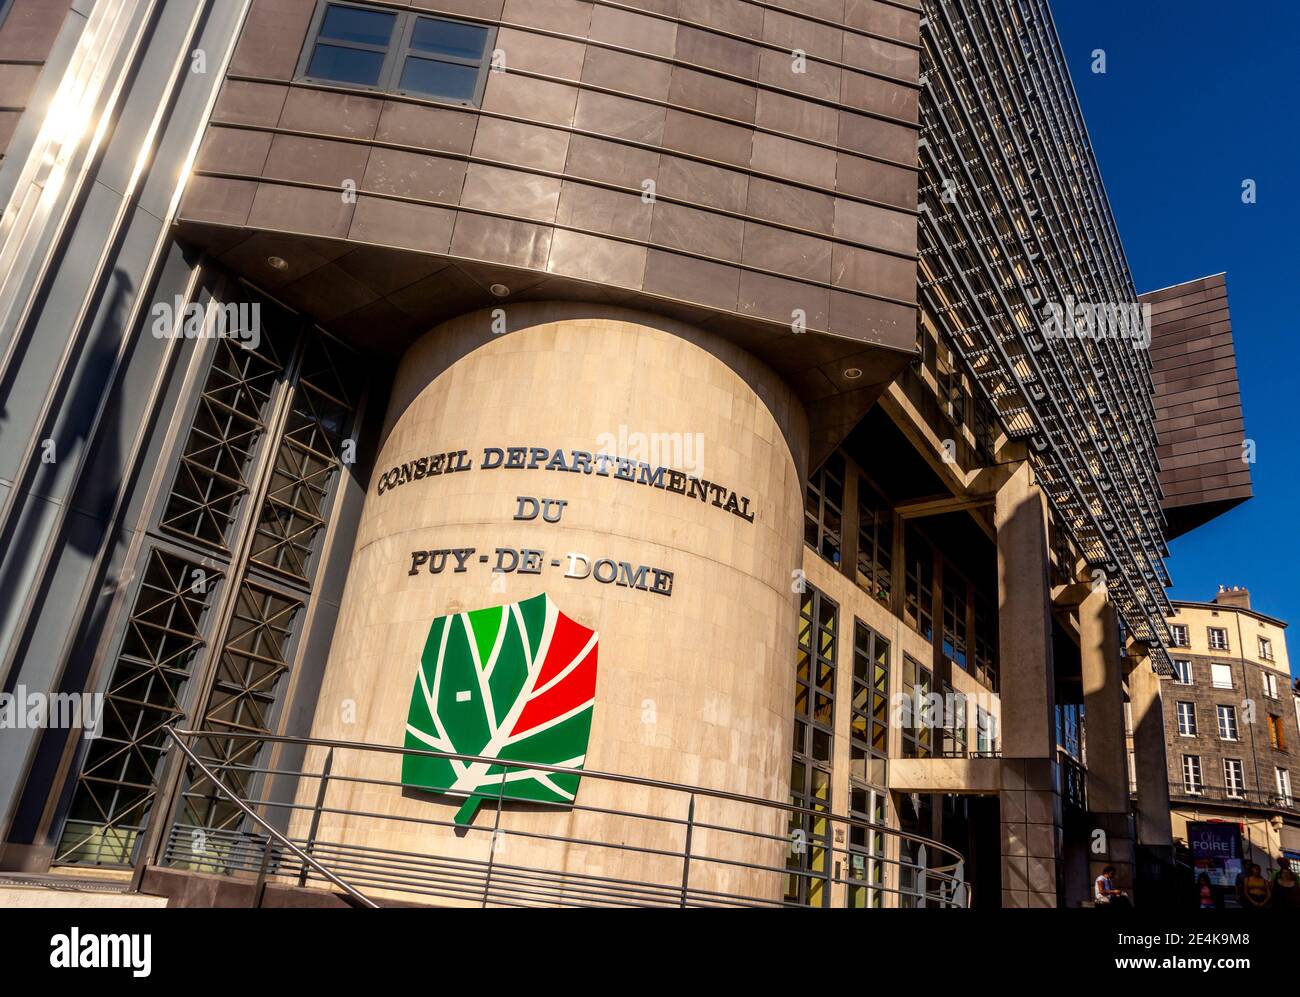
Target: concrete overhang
971, 776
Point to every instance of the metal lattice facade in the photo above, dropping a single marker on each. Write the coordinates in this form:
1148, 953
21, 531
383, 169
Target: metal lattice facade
1014, 216
250, 500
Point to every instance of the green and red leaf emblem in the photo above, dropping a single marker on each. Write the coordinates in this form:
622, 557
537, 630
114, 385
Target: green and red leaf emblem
515, 683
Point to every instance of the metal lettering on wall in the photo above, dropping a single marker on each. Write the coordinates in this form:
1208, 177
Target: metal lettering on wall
574, 462
571, 564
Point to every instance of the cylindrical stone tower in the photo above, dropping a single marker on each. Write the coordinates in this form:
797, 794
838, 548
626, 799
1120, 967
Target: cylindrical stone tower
670, 463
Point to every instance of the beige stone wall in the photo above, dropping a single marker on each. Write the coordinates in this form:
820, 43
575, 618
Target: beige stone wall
693, 688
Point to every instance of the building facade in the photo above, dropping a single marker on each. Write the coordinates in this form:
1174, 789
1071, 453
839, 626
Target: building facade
1231, 722
784, 352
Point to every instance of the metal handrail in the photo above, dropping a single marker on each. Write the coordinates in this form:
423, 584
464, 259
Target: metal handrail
234, 798
452, 876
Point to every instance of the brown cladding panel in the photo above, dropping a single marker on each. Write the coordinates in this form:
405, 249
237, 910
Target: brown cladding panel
1199, 421
683, 153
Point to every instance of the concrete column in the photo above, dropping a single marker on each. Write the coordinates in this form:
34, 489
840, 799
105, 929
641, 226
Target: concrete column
1103, 700
1024, 619
1031, 807
1153, 828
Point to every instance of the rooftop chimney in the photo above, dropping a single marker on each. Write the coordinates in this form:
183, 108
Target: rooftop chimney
1233, 595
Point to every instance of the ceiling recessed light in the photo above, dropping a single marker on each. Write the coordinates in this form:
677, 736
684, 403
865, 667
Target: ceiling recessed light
278, 262
499, 290
853, 373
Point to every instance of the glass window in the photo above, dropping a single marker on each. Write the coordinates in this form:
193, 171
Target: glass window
824, 509
1178, 635
1266, 649
917, 714
954, 617
402, 52
875, 541
1192, 774
866, 858
1284, 786
1218, 638
918, 593
1270, 685
869, 729
986, 732
809, 857
1228, 722
1070, 729
1234, 777
1187, 719
1276, 733
1183, 672
954, 724
351, 45
1221, 676
449, 38
986, 642
443, 59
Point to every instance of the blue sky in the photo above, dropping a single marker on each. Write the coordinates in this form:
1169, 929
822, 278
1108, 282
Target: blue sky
1198, 96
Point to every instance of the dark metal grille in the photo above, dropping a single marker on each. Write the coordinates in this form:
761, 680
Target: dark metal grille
118, 782
1013, 217
252, 491
297, 501
212, 476
254, 660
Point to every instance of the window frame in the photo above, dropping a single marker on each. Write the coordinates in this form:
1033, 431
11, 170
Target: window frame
1178, 636
396, 52
917, 737
1227, 712
1276, 732
1234, 788
1209, 639
1270, 685
1191, 714
1265, 648
1193, 786
833, 469
1179, 672
875, 542
918, 584
1215, 683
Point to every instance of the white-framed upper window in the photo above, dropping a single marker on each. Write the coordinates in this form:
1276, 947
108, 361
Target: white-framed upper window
1192, 774
1218, 638
1221, 676
1265, 649
1227, 722
1187, 719
1270, 685
1178, 635
1183, 672
1234, 777
1284, 786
